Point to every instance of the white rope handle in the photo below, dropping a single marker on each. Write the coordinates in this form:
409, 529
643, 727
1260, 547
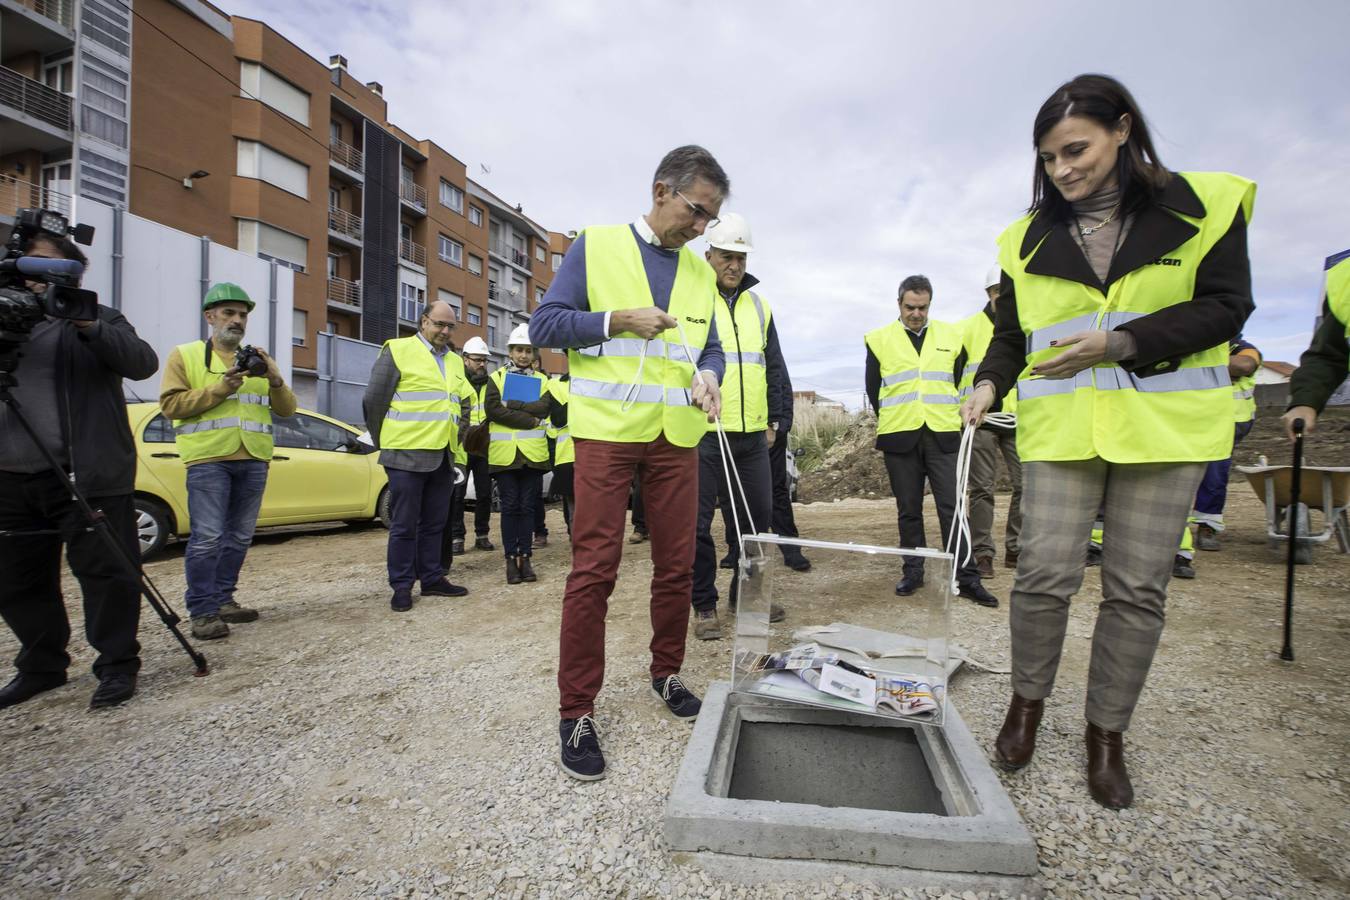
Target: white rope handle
959, 540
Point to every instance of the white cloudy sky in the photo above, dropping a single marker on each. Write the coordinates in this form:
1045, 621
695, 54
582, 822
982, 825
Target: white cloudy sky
864, 140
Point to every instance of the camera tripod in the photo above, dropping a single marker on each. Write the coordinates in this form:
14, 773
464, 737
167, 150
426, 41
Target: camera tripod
99, 524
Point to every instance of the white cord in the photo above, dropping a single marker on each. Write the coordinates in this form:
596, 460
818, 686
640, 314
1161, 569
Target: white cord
630, 396
960, 540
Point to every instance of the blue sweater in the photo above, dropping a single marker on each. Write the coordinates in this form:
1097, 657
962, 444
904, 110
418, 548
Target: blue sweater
564, 319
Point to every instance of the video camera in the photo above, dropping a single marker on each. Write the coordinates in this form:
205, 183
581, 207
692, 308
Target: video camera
21, 309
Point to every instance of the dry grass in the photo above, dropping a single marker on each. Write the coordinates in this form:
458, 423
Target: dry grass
815, 429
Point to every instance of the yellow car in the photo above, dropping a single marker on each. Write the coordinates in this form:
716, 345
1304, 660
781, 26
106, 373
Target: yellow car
320, 472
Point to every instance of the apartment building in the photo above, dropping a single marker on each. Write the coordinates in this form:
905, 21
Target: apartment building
64, 103
239, 135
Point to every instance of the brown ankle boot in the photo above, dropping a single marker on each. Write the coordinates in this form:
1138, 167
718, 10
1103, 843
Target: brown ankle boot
1016, 740
1108, 782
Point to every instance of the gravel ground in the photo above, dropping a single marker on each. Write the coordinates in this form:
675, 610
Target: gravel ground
337, 748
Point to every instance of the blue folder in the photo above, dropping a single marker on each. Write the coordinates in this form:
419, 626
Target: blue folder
524, 388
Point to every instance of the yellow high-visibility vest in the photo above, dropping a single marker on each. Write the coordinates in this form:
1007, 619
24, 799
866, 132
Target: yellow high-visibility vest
504, 441
979, 333
424, 414
1338, 293
476, 413
917, 388
1244, 398
627, 389
245, 417
564, 451
1180, 415
744, 334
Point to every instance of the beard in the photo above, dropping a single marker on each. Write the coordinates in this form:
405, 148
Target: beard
227, 337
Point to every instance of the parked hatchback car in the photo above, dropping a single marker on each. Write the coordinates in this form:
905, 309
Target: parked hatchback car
320, 472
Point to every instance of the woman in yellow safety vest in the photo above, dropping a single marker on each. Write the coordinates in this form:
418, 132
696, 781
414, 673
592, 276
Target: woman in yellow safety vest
1122, 286
564, 451
517, 452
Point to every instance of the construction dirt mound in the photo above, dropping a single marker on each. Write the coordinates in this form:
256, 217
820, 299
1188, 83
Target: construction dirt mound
853, 467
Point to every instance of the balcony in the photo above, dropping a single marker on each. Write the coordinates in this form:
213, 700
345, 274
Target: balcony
510, 254
346, 159
344, 294
59, 11
41, 115
413, 253
501, 298
344, 226
16, 195
413, 196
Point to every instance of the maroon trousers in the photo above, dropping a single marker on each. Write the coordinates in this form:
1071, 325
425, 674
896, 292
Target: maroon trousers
602, 477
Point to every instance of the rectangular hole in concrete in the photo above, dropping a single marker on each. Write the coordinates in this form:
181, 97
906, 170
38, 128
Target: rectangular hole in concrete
845, 766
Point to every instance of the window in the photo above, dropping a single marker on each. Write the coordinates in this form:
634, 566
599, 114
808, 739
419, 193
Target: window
159, 431
302, 432
475, 265
475, 216
475, 316
259, 83
517, 287
59, 74
299, 327
333, 265
540, 253
262, 162
455, 300
409, 302
272, 243
103, 126
334, 198
492, 330
450, 251
557, 261
538, 296
334, 131
452, 196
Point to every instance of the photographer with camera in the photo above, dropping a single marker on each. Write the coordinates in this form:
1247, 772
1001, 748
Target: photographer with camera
69, 388
221, 395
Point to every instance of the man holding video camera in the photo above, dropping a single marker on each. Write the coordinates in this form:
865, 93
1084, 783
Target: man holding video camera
70, 392
221, 395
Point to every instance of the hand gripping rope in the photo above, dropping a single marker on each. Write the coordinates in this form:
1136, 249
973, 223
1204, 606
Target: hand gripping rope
959, 541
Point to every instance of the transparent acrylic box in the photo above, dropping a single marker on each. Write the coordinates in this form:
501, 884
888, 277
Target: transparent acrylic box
898, 644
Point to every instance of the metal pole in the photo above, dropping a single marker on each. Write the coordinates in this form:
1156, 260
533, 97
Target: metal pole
272, 311
206, 278
1296, 491
117, 257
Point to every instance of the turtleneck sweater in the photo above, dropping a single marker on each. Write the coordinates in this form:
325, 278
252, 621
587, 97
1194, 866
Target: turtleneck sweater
1100, 246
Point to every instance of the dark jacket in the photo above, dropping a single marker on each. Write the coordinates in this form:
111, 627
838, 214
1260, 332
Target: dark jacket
91, 365
1214, 315
520, 415
779, 394
906, 441
1323, 366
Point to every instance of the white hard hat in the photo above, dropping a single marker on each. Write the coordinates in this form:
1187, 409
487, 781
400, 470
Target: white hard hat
476, 346
732, 233
520, 336
994, 277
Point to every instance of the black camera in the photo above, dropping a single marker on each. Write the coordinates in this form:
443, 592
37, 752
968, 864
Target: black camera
21, 309
248, 360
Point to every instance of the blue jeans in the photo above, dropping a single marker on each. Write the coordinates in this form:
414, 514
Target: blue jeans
1213, 493
419, 509
518, 491
223, 502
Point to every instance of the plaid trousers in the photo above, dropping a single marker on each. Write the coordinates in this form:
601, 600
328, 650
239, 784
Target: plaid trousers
1145, 507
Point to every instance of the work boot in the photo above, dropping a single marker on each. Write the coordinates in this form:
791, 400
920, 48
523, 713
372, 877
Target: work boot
526, 570
482, 543
27, 685
1206, 538
1010, 560
114, 689
1182, 568
1016, 740
234, 613
209, 628
638, 536
512, 570
540, 540
1108, 781
985, 566
707, 627
457, 546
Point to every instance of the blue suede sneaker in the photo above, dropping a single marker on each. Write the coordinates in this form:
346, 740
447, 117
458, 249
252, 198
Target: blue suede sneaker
678, 699
581, 756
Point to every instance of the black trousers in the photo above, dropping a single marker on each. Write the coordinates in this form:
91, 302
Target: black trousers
783, 522
750, 456
907, 472
639, 511
482, 507
30, 583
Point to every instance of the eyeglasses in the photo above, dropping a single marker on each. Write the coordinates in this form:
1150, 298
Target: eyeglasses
699, 212
440, 326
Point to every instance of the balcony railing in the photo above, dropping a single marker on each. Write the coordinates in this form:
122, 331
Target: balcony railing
507, 252
34, 98
16, 195
414, 193
343, 222
413, 253
346, 155
59, 11
348, 293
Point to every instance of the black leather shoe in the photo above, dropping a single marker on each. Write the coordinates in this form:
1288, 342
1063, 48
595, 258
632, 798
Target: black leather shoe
909, 584
728, 562
402, 600
977, 593
798, 563
113, 689
512, 571
1016, 741
27, 685
527, 570
1108, 781
444, 588
482, 543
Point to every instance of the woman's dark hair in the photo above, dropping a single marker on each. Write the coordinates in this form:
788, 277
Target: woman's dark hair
64, 245
1103, 100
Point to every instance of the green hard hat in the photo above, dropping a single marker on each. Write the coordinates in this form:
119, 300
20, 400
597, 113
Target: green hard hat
224, 292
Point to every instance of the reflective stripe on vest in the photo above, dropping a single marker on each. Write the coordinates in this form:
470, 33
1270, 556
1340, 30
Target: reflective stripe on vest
602, 375
979, 333
918, 388
504, 440
1179, 414
243, 418
743, 330
424, 411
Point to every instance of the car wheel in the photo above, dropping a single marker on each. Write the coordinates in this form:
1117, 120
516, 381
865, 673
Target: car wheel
152, 526
382, 508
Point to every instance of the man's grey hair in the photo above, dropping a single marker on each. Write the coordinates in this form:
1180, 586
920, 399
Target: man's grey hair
683, 165
919, 284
